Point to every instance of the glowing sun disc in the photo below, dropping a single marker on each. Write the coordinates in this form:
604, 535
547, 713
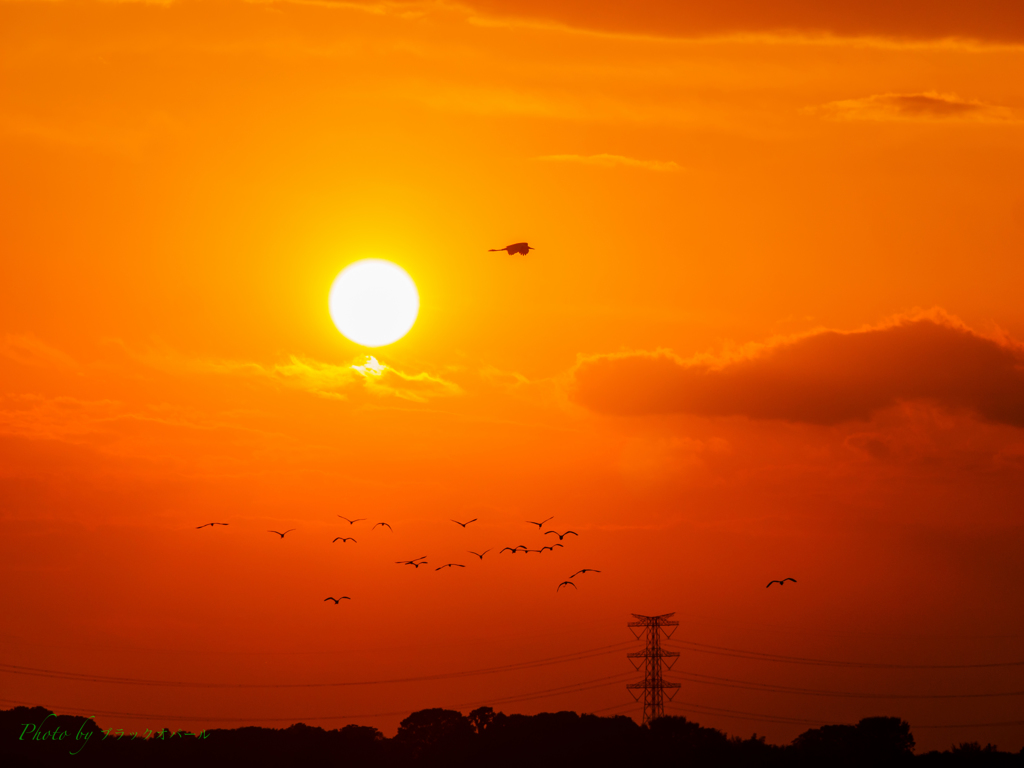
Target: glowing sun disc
373, 302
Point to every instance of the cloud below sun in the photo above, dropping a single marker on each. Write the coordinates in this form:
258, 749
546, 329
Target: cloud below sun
340, 381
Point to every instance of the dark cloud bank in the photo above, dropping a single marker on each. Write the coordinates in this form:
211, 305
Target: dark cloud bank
984, 20
823, 378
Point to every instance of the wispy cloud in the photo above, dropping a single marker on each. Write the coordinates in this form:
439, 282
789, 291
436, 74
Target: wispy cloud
614, 161
28, 350
330, 380
930, 106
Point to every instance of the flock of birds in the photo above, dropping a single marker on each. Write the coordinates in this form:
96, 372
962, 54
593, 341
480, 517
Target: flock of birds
416, 562
512, 250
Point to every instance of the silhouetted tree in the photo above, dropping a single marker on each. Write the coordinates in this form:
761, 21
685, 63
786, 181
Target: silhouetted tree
874, 741
677, 735
435, 736
440, 737
480, 718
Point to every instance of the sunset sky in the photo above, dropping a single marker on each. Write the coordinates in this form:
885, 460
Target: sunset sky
773, 327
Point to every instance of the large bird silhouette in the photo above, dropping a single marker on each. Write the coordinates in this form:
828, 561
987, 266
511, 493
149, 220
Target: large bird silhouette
512, 250
780, 582
282, 534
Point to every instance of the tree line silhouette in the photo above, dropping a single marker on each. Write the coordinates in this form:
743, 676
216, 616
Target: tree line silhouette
440, 737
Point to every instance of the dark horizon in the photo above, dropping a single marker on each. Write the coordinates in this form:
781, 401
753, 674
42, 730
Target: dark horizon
35, 736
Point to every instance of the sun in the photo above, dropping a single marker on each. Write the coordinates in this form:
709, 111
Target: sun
373, 302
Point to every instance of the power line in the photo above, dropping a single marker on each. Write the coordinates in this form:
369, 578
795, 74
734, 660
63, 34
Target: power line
60, 675
718, 650
975, 725
728, 682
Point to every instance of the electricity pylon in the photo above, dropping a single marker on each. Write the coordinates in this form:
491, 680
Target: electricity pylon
653, 686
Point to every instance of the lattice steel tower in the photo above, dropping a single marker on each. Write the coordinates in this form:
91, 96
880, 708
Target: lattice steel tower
653, 686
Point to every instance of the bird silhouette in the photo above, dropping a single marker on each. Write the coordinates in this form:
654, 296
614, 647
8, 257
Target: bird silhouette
410, 562
528, 551
541, 523
282, 534
352, 522
566, 582
337, 599
779, 581
344, 539
479, 554
552, 548
583, 570
513, 550
465, 523
389, 527
206, 524
561, 535
449, 565
515, 248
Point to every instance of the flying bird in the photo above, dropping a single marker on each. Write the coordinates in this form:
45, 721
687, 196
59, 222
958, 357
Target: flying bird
465, 523
449, 565
389, 527
282, 534
478, 554
515, 248
779, 581
552, 548
583, 570
564, 583
352, 522
513, 550
561, 535
337, 599
344, 539
410, 562
541, 523
206, 524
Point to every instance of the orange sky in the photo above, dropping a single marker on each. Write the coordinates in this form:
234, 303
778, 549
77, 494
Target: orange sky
772, 328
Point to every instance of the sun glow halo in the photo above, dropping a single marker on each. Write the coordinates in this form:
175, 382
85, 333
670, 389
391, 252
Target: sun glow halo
373, 302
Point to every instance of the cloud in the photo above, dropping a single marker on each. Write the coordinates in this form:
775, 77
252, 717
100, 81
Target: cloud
612, 161
981, 20
328, 379
826, 377
880, 21
913, 106
30, 351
